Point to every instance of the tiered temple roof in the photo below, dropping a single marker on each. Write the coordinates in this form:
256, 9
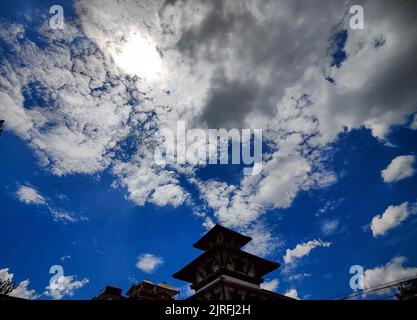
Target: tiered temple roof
223, 271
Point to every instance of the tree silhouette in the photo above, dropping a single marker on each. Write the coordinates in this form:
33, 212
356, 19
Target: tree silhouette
6, 286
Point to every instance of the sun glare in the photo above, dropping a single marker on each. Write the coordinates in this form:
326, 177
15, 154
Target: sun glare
138, 56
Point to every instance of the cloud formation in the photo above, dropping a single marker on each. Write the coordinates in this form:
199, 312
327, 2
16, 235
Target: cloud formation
303, 249
148, 263
392, 217
64, 286
292, 293
222, 64
400, 168
392, 272
29, 195
22, 289
62, 100
329, 227
271, 285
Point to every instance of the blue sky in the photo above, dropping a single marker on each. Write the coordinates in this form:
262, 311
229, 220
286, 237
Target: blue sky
79, 189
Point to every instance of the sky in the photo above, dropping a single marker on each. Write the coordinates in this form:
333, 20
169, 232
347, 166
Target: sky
85, 104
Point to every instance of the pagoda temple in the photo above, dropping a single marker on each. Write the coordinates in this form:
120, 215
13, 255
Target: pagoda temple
225, 272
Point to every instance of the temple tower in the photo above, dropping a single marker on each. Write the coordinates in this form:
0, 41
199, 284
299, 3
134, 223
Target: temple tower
225, 272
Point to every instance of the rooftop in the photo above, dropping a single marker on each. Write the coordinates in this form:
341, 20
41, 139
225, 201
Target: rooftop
220, 234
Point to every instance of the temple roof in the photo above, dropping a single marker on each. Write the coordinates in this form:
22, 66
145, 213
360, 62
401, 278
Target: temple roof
167, 286
218, 239
221, 234
152, 286
263, 266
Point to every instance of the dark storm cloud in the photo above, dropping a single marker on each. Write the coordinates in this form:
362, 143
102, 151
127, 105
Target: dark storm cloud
213, 32
229, 101
266, 53
265, 48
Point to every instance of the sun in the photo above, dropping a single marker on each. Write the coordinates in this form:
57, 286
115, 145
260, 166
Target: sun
138, 56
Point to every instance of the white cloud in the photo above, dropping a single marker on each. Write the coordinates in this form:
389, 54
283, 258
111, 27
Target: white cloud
29, 195
263, 242
292, 293
271, 285
5, 275
66, 257
169, 194
303, 249
283, 176
330, 205
77, 111
392, 217
192, 66
146, 182
64, 286
65, 217
329, 227
298, 276
21, 290
393, 271
148, 263
399, 168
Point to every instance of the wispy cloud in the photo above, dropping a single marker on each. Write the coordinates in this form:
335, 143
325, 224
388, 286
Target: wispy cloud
329, 227
31, 196
66, 257
303, 249
64, 286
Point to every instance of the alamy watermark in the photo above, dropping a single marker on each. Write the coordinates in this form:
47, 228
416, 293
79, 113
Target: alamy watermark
357, 21
210, 146
56, 281
57, 20
357, 280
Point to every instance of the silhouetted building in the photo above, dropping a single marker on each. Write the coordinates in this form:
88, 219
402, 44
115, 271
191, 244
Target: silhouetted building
110, 293
147, 290
225, 272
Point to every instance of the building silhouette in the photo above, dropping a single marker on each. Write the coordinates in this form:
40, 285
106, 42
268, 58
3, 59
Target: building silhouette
225, 272
145, 290
110, 293
222, 272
